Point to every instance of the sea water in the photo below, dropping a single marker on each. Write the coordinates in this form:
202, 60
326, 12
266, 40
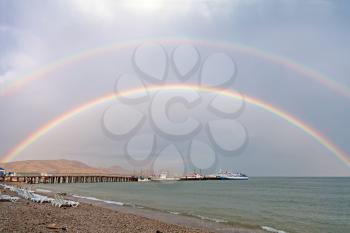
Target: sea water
306, 205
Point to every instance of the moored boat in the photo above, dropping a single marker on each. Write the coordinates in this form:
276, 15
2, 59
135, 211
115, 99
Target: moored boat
164, 177
231, 176
143, 179
194, 176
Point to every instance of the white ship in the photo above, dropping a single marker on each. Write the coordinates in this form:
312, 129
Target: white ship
194, 176
164, 177
231, 176
143, 179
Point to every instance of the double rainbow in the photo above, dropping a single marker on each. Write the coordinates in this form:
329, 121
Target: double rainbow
317, 136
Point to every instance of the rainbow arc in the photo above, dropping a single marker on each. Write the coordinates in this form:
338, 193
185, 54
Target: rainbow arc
19, 82
56, 122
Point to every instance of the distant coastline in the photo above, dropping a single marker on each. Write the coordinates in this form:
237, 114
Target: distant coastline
60, 166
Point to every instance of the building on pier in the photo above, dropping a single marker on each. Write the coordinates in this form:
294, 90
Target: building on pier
2, 171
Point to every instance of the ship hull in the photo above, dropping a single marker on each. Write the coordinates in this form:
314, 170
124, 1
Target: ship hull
232, 178
165, 180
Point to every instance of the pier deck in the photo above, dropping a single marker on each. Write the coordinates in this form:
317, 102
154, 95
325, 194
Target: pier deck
67, 178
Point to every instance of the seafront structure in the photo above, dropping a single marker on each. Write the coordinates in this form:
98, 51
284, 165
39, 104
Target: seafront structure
67, 178
2, 172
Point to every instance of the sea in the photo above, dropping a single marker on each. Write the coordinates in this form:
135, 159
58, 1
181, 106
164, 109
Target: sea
281, 205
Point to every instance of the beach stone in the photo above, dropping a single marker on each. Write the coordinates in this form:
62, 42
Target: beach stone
52, 226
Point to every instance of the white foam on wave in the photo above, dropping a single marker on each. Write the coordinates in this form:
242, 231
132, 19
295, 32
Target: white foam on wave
173, 212
210, 219
96, 199
271, 229
114, 202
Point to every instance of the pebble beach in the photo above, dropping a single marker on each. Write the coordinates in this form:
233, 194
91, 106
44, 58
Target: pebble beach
27, 216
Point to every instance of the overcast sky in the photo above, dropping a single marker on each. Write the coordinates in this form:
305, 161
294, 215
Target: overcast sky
35, 34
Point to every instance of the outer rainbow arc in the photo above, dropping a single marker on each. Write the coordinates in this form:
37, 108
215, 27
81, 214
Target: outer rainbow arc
274, 58
341, 155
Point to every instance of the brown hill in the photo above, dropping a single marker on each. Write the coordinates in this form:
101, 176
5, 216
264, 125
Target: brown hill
59, 166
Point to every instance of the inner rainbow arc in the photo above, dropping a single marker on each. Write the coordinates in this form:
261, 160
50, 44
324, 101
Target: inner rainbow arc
315, 134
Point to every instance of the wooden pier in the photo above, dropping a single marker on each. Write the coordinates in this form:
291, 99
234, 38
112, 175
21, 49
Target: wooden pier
67, 178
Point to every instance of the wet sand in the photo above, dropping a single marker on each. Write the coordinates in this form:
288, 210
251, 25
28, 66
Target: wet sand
27, 216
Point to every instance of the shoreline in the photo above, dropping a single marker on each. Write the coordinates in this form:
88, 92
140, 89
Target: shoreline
169, 217
18, 217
